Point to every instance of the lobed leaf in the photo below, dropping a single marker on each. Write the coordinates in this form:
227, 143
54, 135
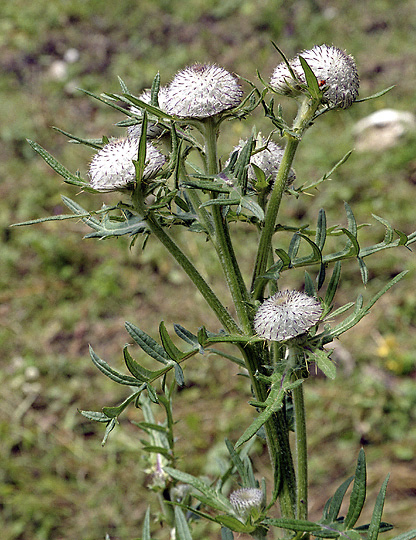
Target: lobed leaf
213, 497
68, 177
148, 344
112, 373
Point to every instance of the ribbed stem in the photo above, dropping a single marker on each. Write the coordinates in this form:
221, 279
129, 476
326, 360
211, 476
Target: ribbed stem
295, 360
222, 238
302, 121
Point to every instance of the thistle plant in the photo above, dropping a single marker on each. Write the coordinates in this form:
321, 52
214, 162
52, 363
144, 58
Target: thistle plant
165, 173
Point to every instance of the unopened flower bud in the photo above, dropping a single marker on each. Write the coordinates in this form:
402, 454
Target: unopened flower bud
286, 314
201, 91
112, 167
268, 160
246, 500
334, 69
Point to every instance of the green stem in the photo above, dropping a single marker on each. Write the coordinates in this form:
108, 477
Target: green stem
211, 298
307, 109
295, 357
222, 239
277, 432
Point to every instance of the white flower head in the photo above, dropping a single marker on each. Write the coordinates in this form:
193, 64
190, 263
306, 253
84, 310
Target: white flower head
268, 160
246, 499
153, 129
112, 167
335, 70
201, 91
286, 314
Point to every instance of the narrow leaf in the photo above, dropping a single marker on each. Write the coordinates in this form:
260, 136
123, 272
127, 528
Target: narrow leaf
272, 404
323, 362
320, 236
94, 143
376, 95
139, 372
110, 426
186, 335
333, 284
234, 524
237, 461
375, 523
148, 344
146, 526
59, 168
310, 288
335, 502
171, 350
112, 373
299, 525
95, 416
358, 492
311, 81
182, 529
114, 412
284, 257
216, 499
363, 270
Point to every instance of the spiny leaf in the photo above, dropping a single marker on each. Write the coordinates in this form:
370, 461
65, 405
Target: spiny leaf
94, 143
68, 177
376, 95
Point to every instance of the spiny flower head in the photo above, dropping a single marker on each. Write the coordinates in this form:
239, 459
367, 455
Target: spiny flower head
286, 314
268, 160
245, 500
112, 167
335, 70
153, 129
201, 91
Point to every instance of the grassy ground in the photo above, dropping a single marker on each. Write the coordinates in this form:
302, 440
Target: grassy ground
59, 293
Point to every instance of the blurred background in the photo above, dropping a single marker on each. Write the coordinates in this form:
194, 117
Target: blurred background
59, 292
